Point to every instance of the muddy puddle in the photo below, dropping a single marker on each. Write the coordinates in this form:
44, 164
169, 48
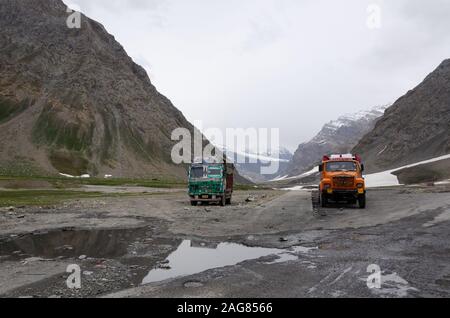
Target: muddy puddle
71, 244
135, 246
194, 257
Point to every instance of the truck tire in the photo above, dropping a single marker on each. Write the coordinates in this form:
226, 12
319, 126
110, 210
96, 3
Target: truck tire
194, 203
223, 201
324, 201
362, 201
315, 198
228, 202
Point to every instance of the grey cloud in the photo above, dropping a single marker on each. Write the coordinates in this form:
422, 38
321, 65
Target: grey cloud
292, 64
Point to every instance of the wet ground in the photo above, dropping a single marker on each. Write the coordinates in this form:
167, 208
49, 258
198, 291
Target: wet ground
69, 243
273, 245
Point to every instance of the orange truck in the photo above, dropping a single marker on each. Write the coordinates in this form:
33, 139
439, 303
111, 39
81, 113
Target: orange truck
342, 180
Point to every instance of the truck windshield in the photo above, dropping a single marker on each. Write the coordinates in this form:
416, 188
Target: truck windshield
197, 172
215, 172
341, 166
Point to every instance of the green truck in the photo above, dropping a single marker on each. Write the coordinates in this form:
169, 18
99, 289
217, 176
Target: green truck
211, 183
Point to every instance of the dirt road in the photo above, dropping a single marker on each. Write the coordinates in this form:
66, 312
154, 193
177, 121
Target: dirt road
267, 244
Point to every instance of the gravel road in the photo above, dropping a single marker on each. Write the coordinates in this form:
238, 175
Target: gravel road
267, 244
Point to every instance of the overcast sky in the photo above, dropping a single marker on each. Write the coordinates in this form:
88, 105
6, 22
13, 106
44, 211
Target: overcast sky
288, 64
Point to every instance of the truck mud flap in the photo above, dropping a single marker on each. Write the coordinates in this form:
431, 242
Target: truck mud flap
315, 198
316, 204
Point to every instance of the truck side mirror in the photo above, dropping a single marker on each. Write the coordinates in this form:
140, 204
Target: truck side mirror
320, 168
363, 168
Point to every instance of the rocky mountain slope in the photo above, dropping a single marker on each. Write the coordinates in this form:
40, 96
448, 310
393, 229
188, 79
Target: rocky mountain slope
73, 101
338, 136
415, 128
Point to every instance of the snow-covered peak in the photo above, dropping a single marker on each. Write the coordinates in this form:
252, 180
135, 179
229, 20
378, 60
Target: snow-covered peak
349, 119
275, 154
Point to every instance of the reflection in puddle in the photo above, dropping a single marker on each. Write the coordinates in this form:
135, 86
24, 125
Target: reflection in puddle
73, 243
192, 258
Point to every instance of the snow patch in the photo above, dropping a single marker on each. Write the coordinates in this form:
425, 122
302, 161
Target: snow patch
308, 173
296, 188
375, 180
424, 162
384, 149
66, 175
381, 179
303, 175
388, 179
280, 178
84, 176
347, 119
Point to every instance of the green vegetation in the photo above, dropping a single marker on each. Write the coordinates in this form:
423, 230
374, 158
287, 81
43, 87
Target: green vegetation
9, 108
51, 131
69, 162
54, 190
109, 146
64, 183
134, 182
20, 166
50, 197
68, 141
135, 142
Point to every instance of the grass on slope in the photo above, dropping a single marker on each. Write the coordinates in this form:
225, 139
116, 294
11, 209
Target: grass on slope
64, 183
48, 197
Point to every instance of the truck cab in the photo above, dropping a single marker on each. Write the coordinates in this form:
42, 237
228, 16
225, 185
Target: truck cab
211, 183
342, 180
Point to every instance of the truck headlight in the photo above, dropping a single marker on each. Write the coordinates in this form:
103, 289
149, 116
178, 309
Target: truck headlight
327, 186
360, 185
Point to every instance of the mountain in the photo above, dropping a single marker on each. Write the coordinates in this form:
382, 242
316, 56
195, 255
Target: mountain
72, 101
338, 136
415, 128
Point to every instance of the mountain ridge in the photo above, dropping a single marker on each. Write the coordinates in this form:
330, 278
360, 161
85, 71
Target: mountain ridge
72, 100
337, 136
415, 128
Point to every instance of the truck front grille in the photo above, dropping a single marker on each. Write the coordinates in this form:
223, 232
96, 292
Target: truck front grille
343, 182
205, 188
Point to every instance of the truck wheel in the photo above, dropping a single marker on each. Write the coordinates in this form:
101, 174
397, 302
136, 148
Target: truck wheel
194, 203
228, 201
223, 201
362, 201
315, 198
324, 201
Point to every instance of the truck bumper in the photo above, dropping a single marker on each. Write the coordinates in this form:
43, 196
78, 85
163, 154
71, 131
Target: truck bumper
340, 195
206, 198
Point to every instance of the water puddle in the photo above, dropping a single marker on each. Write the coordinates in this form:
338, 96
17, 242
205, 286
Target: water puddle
71, 243
192, 258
